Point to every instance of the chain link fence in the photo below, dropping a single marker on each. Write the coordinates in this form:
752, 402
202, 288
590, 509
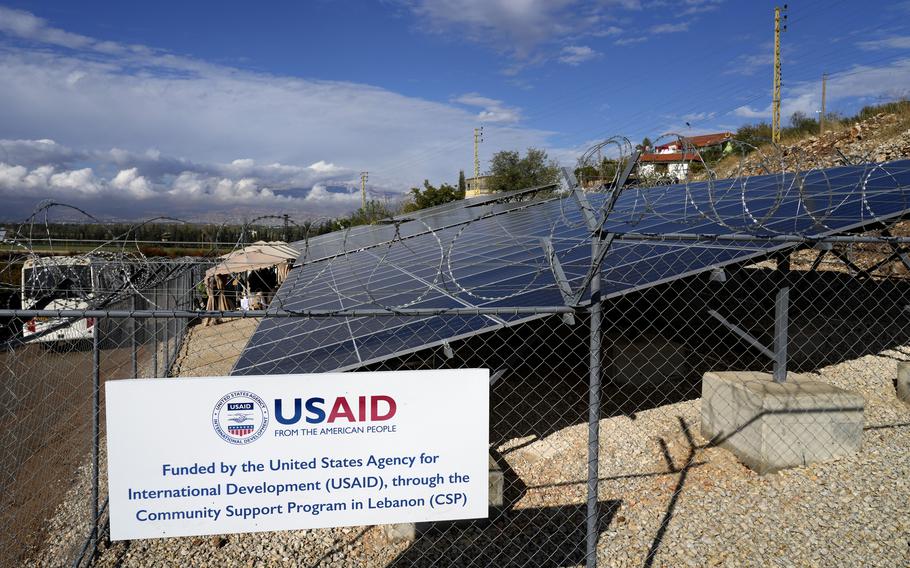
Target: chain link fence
51, 398
725, 386
630, 444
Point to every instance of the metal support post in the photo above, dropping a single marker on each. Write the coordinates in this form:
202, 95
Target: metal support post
96, 425
594, 414
169, 335
155, 348
781, 306
134, 327
165, 350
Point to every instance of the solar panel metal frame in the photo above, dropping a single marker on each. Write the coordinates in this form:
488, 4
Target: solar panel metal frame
750, 255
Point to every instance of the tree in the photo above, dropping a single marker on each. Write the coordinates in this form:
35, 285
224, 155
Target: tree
508, 170
373, 212
754, 134
800, 123
603, 173
645, 144
431, 196
462, 186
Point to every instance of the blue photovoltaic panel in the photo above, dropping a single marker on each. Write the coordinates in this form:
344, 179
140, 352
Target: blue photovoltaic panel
492, 255
410, 224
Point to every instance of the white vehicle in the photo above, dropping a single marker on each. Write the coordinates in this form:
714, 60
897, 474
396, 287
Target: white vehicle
58, 283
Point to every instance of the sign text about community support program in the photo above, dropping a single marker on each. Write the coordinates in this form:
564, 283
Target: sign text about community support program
269, 454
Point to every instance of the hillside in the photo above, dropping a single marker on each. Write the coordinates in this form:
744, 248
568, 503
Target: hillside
879, 137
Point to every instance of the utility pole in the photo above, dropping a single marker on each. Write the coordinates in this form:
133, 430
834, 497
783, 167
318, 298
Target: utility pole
775, 93
363, 190
478, 138
285, 237
821, 119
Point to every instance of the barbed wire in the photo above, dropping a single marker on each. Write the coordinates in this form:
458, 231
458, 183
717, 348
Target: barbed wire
432, 253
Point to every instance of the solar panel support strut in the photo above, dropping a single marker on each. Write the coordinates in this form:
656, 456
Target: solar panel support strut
570, 298
586, 210
559, 274
778, 353
600, 245
743, 334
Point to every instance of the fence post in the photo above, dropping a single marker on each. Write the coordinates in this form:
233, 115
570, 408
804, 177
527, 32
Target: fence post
155, 347
594, 412
781, 319
96, 425
781, 305
167, 329
135, 330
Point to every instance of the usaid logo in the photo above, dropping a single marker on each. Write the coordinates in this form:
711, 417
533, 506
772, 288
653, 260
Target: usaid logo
240, 417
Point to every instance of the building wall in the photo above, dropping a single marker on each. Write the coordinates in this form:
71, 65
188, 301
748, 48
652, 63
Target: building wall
475, 187
670, 169
678, 170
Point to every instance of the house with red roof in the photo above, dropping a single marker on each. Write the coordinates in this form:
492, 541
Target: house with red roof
671, 160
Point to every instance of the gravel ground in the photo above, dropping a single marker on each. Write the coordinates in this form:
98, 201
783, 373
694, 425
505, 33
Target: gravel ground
212, 350
880, 138
691, 506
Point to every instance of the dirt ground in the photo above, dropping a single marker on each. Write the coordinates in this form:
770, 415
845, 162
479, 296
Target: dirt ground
46, 401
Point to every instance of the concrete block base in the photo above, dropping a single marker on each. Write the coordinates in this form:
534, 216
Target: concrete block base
903, 382
771, 426
409, 531
400, 531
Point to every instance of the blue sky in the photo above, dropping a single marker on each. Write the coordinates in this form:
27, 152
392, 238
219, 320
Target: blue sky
217, 109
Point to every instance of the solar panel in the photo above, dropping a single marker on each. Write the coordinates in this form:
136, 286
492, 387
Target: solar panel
495, 257
408, 225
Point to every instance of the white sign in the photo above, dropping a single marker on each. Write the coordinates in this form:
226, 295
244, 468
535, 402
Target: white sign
262, 453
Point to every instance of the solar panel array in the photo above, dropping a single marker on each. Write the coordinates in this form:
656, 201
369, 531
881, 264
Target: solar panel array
408, 225
494, 256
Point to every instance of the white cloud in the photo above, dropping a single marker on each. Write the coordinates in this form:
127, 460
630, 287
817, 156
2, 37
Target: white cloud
518, 27
670, 28
321, 194
20, 180
691, 117
577, 54
898, 42
190, 128
630, 40
493, 110
857, 83
37, 152
607, 31
131, 182
747, 111
748, 65
170, 185
323, 167
700, 6
27, 26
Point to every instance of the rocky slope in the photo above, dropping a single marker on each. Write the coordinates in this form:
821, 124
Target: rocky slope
883, 137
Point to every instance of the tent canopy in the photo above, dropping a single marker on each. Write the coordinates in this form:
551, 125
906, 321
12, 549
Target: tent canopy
256, 256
